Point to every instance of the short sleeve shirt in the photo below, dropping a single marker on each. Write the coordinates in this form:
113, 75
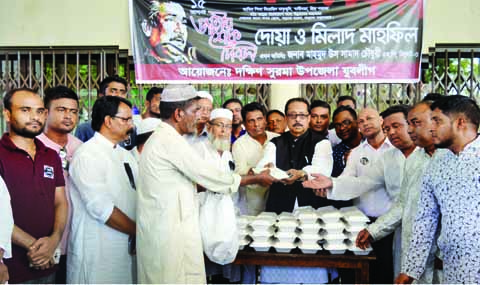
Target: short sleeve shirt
31, 184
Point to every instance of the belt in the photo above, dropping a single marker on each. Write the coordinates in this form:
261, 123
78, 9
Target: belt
438, 263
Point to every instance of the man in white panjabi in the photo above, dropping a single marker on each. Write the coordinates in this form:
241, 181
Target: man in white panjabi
6, 228
247, 152
169, 247
103, 177
386, 172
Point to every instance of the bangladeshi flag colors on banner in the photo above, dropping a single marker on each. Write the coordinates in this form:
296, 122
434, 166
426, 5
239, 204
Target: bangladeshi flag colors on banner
261, 41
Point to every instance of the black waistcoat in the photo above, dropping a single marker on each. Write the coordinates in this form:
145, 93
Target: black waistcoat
295, 153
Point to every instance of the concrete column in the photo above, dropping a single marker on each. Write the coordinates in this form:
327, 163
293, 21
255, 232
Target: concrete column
280, 93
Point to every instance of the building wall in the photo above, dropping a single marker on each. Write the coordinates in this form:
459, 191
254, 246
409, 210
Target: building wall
105, 22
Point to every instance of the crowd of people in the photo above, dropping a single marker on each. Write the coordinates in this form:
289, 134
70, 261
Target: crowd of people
119, 201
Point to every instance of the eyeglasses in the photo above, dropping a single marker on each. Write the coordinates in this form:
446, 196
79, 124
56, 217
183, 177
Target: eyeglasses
125, 120
295, 116
222, 126
63, 157
344, 124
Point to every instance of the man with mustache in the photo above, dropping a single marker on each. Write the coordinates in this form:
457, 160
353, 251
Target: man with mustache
385, 173
321, 120
34, 178
103, 179
62, 105
346, 128
235, 105
299, 152
277, 123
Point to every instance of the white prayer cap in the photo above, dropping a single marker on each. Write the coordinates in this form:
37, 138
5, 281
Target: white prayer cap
147, 125
221, 113
178, 93
205, 95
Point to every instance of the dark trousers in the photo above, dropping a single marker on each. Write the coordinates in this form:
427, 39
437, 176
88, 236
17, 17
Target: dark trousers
61, 276
381, 270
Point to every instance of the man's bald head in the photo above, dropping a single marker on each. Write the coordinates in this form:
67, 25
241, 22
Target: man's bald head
369, 122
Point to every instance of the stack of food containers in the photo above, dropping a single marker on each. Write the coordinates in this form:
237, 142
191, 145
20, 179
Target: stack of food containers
355, 222
286, 232
244, 230
309, 228
332, 229
263, 231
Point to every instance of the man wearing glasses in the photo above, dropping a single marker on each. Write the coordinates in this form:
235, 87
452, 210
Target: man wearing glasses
346, 128
33, 175
103, 180
299, 152
62, 105
110, 86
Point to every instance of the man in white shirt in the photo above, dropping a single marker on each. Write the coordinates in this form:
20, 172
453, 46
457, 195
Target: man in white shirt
169, 246
404, 209
6, 228
247, 152
103, 181
386, 172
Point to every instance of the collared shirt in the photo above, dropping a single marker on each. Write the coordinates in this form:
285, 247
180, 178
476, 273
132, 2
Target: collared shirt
99, 181
387, 172
32, 184
375, 202
404, 209
450, 198
233, 138
169, 246
247, 152
72, 144
6, 220
339, 162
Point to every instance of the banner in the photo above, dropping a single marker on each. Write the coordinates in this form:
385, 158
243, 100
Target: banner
261, 41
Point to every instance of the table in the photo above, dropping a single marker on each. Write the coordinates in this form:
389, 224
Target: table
360, 263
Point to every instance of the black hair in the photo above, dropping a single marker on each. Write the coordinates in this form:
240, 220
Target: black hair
110, 79
345, 98
153, 91
7, 100
404, 109
106, 106
342, 109
320, 103
458, 104
231, 100
432, 97
167, 109
275, 111
250, 107
58, 92
297, 99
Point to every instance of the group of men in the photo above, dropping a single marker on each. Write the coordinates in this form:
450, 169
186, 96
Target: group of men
95, 212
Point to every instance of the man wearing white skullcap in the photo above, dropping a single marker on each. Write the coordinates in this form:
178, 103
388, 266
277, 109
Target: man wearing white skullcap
205, 104
145, 129
169, 246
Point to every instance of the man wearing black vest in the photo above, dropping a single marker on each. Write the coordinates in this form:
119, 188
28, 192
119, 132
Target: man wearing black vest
299, 152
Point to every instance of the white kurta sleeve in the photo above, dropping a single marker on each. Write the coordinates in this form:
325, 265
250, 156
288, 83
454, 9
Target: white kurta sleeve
322, 160
91, 185
348, 187
187, 161
6, 221
351, 167
238, 152
269, 156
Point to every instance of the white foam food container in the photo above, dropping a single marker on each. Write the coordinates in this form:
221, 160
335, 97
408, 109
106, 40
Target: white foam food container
267, 215
263, 232
359, 251
307, 216
281, 233
309, 238
335, 248
261, 246
335, 237
284, 247
290, 223
309, 248
286, 216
